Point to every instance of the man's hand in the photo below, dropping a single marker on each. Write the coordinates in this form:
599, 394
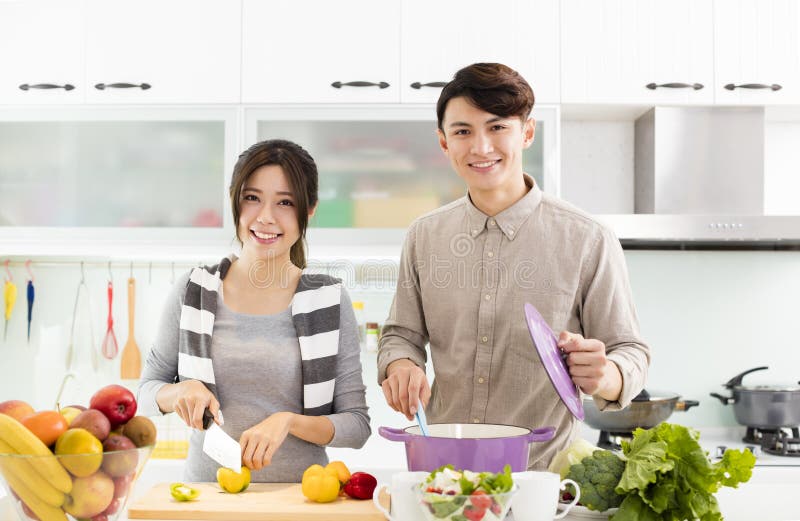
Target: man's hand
405, 386
588, 366
260, 441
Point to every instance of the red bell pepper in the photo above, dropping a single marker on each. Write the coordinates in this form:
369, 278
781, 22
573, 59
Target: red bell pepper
360, 485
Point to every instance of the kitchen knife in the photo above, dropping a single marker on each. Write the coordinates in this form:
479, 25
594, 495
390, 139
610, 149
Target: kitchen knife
222, 448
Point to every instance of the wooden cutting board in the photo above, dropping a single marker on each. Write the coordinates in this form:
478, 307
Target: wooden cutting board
261, 502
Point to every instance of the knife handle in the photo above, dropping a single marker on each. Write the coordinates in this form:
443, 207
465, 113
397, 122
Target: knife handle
208, 418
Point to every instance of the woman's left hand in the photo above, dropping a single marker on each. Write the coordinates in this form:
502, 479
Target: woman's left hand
260, 441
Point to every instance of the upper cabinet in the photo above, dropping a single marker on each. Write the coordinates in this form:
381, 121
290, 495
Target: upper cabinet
438, 38
318, 51
637, 51
181, 51
42, 57
757, 51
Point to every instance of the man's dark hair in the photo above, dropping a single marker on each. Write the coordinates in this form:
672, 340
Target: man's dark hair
492, 87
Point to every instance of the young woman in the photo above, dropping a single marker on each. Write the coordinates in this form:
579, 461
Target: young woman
272, 352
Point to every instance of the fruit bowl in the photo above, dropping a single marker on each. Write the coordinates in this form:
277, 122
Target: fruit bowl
64, 487
453, 507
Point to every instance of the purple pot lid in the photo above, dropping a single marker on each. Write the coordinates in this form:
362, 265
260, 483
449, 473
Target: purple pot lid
546, 344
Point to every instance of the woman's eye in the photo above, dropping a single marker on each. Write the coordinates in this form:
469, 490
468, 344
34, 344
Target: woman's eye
250, 197
286, 202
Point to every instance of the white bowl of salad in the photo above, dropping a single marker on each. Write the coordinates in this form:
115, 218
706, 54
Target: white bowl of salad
462, 495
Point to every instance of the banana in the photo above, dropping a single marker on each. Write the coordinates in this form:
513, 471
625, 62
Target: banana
18, 469
25, 442
42, 510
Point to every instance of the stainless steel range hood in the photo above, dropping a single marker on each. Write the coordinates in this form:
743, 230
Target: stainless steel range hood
699, 179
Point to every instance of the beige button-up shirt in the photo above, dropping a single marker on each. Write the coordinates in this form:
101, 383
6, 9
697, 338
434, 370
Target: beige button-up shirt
464, 277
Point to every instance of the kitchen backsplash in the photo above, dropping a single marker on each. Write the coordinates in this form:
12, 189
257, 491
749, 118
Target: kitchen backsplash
706, 315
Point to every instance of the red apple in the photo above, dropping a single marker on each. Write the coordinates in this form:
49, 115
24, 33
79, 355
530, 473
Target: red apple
122, 484
17, 409
116, 402
93, 421
117, 464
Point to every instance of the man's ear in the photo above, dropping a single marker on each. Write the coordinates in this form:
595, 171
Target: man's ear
528, 132
442, 141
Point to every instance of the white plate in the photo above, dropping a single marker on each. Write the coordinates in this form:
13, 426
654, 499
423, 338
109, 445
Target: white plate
582, 512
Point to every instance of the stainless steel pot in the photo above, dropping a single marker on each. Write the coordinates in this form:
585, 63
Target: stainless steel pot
647, 410
762, 406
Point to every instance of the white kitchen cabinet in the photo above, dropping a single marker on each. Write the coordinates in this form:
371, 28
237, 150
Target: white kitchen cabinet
318, 51
637, 51
438, 38
757, 57
42, 52
148, 51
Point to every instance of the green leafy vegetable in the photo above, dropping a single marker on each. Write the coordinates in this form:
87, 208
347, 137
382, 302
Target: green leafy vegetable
496, 483
598, 475
669, 477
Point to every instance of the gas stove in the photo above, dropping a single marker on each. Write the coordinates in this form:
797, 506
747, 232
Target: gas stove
780, 447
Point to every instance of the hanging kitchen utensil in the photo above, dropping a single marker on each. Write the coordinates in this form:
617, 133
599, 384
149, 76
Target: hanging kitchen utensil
10, 298
131, 365
30, 296
552, 358
110, 349
77, 362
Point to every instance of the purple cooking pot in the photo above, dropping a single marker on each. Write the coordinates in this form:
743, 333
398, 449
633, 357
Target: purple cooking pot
479, 447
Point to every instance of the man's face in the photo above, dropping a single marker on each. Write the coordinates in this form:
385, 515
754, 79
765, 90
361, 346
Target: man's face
484, 149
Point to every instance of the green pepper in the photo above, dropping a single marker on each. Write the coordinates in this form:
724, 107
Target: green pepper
183, 492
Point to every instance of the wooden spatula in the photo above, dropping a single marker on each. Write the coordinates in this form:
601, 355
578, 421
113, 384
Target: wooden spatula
131, 362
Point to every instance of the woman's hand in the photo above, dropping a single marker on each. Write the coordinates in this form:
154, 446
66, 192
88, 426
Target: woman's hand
191, 399
260, 441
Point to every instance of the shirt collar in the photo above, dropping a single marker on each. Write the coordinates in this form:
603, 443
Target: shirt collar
509, 220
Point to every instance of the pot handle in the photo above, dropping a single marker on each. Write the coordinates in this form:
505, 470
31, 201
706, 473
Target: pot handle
726, 400
737, 380
685, 405
541, 434
392, 434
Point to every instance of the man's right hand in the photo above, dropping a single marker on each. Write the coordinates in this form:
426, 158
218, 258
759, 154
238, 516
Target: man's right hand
191, 399
405, 386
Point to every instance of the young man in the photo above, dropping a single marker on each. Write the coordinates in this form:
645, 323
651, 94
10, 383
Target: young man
467, 269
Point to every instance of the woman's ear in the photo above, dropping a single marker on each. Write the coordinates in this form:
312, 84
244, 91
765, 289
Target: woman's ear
311, 211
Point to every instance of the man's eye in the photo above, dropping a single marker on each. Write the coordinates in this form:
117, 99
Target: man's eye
461, 132
498, 127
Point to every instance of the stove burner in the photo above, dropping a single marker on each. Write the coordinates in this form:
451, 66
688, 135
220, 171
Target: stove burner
780, 442
612, 440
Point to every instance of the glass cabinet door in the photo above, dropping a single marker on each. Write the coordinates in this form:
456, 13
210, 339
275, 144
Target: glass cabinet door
381, 168
113, 172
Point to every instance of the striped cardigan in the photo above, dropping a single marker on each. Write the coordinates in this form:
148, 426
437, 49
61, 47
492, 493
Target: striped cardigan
315, 313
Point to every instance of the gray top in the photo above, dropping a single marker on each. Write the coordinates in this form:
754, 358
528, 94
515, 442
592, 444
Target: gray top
257, 368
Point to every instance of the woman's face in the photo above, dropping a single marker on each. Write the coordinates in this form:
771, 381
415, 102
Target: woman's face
268, 224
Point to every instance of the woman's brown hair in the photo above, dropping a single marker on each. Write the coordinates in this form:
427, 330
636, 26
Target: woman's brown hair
301, 172
492, 87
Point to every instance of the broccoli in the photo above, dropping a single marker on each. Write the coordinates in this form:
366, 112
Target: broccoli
598, 476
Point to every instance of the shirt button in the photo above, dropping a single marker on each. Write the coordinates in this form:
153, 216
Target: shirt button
480, 380
511, 232
474, 232
488, 297
491, 254
491, 222
484, 339
475, 420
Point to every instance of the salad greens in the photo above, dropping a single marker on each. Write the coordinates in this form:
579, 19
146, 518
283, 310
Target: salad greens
443, 479
668, 476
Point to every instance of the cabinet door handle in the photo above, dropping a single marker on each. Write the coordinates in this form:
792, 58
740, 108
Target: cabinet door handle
695, 86
339, 84
26, 86
103, 86
772, 87
438, 84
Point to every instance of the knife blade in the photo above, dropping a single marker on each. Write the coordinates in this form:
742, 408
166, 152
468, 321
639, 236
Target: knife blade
222, 448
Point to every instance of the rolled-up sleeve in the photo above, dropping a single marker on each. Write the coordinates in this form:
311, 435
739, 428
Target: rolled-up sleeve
404, 334
350, 419
608, 314
161, 365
